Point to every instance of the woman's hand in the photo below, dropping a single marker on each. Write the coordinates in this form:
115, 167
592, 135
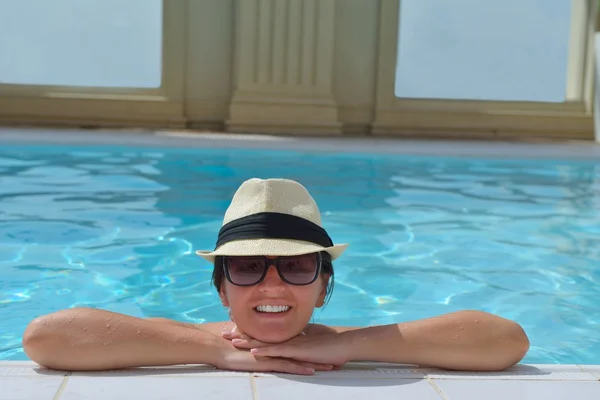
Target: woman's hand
240, 359
322, 349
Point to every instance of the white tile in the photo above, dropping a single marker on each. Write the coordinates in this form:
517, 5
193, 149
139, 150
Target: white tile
518, 390
156, 388
302, 388
592, 369
377, 365
588, 367
371, 373
19, 363
17, 370
27, 387
173, 371
548, 372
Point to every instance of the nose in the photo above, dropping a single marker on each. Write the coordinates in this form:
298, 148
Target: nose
272, 281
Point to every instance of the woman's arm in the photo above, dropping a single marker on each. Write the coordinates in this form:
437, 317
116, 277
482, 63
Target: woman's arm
91, 339
465, 340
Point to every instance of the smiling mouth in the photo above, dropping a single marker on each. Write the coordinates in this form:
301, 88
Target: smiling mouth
272, 309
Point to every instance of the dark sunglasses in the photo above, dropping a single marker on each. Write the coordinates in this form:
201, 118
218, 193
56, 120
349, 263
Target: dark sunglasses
295, 270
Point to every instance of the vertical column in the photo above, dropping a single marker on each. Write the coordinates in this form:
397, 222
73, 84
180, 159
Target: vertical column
597, 91
284, 63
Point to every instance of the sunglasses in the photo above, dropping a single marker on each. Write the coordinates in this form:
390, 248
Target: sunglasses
294, 270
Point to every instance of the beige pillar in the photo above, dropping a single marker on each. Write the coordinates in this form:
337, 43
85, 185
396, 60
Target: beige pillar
283, 67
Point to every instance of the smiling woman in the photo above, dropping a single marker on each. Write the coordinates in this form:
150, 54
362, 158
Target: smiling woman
272, 268
272, 272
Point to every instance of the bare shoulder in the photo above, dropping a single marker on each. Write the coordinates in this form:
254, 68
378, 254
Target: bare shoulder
218, 327
212, 327
318, 329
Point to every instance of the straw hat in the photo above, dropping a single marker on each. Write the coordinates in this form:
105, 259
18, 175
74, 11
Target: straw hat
272, 217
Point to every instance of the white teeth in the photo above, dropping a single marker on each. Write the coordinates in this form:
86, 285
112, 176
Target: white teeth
272, 308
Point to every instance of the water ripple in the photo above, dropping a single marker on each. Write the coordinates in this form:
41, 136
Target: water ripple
116, 228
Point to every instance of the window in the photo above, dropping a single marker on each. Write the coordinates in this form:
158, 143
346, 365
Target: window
509, 50
85, 43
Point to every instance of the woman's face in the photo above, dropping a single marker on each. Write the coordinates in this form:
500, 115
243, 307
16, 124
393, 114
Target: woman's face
248, 311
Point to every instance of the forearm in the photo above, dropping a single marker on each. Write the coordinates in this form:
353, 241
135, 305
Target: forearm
467, 340
88, 339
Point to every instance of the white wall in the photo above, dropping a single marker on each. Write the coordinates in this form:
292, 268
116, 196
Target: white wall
362, 53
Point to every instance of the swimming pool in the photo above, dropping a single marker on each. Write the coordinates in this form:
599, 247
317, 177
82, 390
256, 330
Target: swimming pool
115, 227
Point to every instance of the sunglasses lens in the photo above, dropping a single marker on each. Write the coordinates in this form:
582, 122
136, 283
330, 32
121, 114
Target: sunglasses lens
245, 270
299, 270
296, 270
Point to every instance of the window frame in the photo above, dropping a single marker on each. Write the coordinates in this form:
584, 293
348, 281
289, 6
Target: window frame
441, 117
110, 105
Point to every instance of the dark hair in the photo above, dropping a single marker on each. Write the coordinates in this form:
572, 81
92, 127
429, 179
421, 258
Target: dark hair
326, 269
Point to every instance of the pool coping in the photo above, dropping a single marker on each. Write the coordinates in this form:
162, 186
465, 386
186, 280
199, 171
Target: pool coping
25, 379
571, 150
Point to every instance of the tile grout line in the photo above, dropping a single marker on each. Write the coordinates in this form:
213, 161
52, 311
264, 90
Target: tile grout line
436, 388
62, 386
253, 387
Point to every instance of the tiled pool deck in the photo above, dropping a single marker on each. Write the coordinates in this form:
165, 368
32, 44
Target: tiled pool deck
25, 380
575, 150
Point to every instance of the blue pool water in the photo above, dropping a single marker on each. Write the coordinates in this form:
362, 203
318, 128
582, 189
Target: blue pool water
115, 228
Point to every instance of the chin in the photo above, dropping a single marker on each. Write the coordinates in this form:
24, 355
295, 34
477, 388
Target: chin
270, 335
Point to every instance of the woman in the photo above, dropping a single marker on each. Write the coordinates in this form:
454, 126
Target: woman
272, 267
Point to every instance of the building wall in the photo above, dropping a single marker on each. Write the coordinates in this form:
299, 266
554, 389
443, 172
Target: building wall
309, 67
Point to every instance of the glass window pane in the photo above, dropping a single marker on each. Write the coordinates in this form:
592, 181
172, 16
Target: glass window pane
106, 43
514, 50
